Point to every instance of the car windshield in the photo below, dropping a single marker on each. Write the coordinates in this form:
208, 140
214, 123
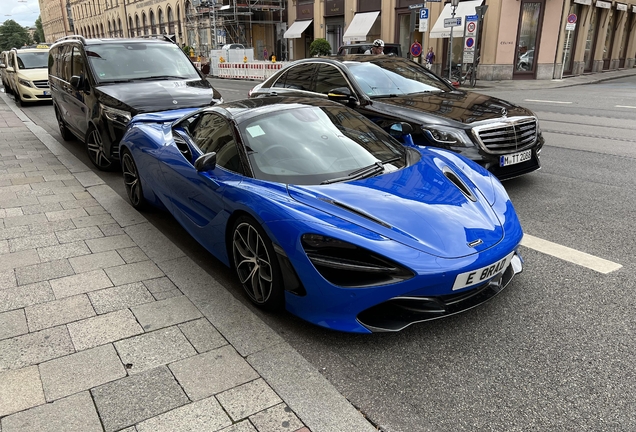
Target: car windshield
33, 60
117, 62
393, 78
312, 145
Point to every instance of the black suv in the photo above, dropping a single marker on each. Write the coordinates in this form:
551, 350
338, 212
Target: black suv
98, 85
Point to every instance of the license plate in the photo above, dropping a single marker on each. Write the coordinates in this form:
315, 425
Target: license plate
515, 158
475, 277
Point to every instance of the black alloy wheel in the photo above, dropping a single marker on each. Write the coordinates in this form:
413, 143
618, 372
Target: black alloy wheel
132, 182
64, 132
95, 150
256, 264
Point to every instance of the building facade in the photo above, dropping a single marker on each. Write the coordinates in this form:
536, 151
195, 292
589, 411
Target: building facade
514, 39
54, 15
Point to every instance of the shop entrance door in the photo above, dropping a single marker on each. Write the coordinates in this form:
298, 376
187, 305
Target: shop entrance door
528, 38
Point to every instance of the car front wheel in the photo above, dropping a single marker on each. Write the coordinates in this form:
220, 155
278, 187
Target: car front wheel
132, 182
95, 150
256, 265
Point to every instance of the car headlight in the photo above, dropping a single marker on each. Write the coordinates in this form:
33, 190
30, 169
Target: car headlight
447, 136
116, 115
25, 82
347, 265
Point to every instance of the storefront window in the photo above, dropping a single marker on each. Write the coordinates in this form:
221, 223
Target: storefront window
405, 35
528, 31
334, 37
609, 36
624, 40
588, 57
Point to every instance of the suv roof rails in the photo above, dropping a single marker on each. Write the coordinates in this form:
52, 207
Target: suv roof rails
76, 37
167, 38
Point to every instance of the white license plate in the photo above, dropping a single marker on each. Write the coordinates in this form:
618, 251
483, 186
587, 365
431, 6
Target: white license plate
515, 158
481, 275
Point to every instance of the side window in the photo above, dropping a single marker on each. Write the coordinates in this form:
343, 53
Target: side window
11, 61
65, 66
77, 63
213, 134
329, 78
298, 77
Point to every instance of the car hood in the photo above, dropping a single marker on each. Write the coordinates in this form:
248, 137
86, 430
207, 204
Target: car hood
419, 206
34, 74
448, 107
149, 96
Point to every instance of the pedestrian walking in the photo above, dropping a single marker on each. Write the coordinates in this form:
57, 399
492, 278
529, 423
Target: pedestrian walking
430, 58
265, 54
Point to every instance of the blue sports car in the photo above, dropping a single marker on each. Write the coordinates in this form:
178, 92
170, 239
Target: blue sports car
321, 212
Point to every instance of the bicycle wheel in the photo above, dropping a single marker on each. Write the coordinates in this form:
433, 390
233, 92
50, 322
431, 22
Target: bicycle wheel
473, 76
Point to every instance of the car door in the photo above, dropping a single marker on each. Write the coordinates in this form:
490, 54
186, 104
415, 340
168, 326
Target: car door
295, 81
328, 78
197, 197
77, 110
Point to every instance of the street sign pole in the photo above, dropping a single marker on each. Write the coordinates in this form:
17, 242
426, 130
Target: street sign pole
567, 47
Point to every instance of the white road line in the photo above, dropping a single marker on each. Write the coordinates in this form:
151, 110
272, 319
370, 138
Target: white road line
571, 255
624, 106
546, 101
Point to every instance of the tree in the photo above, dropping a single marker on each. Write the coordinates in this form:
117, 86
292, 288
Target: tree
319, 47
13, 35
38, 36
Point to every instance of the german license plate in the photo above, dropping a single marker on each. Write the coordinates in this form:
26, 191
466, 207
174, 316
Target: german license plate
515, 158
475, 277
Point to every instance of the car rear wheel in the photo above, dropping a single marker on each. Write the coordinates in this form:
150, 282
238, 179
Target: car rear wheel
95, 150
256, 264
132, 182
18, 99
61, 124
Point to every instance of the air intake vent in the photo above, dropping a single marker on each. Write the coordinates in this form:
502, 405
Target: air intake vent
358, 212
460, 184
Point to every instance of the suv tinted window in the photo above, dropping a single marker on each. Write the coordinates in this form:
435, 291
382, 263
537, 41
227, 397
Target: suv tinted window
211, 133
297, 77
77, 61
329, 78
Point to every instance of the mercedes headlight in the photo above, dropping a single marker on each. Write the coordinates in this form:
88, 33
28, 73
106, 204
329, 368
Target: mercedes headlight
449, 136
116, 115
25, 82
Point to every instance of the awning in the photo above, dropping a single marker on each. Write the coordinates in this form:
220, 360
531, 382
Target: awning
360, 26
296, 29
464, 8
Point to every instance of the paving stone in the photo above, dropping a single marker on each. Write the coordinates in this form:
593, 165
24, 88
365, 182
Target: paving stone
41, 208
20, 389
131, 400
13, 232
80, 203
121, 297
75, 413
15, 260
154, 349
132, 254
4, 246
276, 419
135, 272
212, 372
96, 210
167, 294
79, 234
112, 229
165, 313
66, 214
154, 243
242, 401
34, 348
32, 242
244, 426
7, 279
80, 283
110, 243
13, 323
201, 415
96, 261
43, 271
64, 376
87, 221
58, 312
27, 180
103, 329
24, 220
202, 335
159, 285
11, 212
63, 251
48, 227
25, 295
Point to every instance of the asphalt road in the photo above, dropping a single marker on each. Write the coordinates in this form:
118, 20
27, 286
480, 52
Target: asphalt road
555, 351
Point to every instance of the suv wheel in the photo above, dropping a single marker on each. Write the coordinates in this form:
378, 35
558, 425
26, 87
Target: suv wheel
95, 150
66, 134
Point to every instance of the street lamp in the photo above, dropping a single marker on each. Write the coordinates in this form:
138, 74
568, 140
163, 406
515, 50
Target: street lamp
454, 4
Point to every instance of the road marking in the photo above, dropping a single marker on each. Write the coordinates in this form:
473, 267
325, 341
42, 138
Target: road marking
546, 101
571, 255
624, 106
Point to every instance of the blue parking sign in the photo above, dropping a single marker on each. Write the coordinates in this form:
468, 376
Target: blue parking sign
423, 13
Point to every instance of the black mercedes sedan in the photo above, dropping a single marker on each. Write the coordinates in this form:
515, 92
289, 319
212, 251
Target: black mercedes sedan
501, 136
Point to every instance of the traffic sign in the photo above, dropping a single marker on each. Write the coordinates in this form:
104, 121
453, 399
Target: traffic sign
424, 13
470, 27
423, 20
572, 18
472, 17
452, 22
470, 42
570, 26
416, 49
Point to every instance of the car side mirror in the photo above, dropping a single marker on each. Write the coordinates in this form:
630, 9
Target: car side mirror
398, 130
76, 82
10, 69
342, 95
207, 162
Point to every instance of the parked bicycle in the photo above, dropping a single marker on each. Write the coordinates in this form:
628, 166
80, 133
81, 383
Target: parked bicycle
468, 76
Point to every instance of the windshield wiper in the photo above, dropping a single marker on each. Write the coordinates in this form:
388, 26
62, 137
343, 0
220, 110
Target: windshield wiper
154, 77
368, 171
